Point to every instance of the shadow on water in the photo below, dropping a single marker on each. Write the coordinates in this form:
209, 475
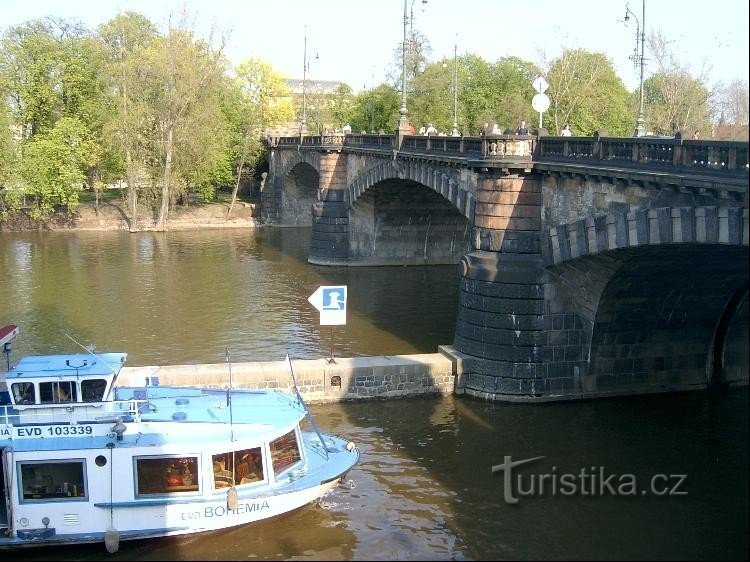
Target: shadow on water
399, 300
447, 447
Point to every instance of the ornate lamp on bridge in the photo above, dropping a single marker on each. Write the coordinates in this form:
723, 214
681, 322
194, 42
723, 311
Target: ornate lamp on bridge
305, 69
638, 57
455, 132
403, 122
455, 90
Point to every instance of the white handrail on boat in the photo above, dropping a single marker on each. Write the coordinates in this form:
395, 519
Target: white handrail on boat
72, 413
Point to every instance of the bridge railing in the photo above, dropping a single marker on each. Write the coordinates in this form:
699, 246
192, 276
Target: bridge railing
382, 142
489, 148
699, 156
324, 140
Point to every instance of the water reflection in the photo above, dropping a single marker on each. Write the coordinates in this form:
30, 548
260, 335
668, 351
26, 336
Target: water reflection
184, 297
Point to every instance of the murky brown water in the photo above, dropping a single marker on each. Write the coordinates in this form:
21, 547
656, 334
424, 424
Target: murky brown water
424, 488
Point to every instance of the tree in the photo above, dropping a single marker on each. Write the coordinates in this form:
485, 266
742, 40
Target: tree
675, 100
258, 99
58, 103
586, 92
733, 107
478, 93
340, 105
28, 62
52, 169
182, 81
376, 110
127, 37
512, 79
432, 98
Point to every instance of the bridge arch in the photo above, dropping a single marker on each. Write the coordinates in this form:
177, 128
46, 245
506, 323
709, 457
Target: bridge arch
399, 214
443, 180
664, 225
658, 297
294, 190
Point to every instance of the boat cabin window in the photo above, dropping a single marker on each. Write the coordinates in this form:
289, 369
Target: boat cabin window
23, 392
52, 480
284, 452
92, 390
245, 466
166, 475
57, 392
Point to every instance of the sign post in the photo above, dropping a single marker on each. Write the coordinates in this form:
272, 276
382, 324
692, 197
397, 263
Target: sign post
540, 102
330, 300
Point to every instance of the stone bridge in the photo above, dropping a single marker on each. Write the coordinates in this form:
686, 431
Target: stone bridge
590, 266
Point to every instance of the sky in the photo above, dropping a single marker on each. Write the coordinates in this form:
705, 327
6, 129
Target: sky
354, 41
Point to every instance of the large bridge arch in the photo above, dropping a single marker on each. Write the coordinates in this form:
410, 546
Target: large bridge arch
443, 180
395, 213
647, 301
403, 222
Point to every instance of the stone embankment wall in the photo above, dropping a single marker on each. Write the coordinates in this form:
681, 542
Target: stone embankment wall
349, 378
111, 216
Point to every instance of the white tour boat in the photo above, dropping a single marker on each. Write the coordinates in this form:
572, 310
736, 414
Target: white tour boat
86, 460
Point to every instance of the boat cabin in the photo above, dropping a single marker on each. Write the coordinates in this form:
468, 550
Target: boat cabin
65, 380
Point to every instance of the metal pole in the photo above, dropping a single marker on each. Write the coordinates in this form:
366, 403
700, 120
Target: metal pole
331, 359
639, 59
403, 123
303, 128
640, 128
455, 89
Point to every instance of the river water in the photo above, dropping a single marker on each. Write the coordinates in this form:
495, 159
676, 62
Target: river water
425, 486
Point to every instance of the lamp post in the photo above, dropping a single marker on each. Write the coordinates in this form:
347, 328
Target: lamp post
455, 89
303, 125
403, 122
638, 59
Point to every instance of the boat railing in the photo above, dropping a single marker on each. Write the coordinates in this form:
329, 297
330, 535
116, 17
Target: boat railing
75, 412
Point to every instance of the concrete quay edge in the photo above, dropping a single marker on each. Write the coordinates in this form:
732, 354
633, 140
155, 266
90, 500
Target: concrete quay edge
348, 378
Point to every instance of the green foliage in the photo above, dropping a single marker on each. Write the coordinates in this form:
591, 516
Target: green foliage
375, 110
586, 93
340, 106
52, 170
256, 100
432, 98
29, 65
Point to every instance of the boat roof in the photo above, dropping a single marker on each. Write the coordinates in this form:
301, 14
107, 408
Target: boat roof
189, 404
184, 416
55, 366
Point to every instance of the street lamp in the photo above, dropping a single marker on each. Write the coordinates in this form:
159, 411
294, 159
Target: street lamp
455, 90
403, 122
303, 125
305, 68
640, 33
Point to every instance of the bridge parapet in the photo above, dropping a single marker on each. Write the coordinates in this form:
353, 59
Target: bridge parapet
698, 156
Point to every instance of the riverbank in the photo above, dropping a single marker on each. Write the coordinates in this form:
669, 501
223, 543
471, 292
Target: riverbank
111, 215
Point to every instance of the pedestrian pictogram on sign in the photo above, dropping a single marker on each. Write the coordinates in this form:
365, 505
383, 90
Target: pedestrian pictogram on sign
333, 298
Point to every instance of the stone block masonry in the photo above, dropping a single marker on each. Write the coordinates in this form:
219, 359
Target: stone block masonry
349, 378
